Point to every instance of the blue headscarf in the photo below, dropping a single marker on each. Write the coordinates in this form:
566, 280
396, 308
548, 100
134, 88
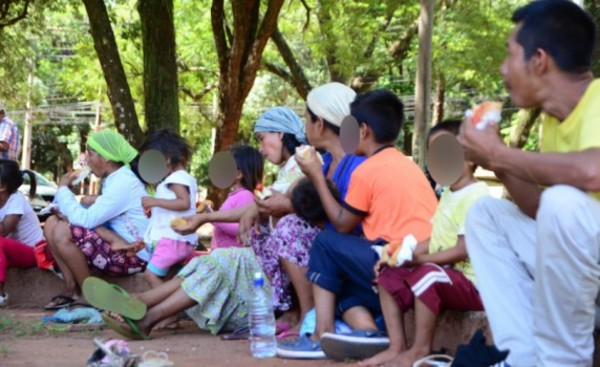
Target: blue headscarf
281, 119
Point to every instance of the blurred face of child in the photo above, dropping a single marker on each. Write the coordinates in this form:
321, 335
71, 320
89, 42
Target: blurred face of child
97, 164
271, 146
467, 169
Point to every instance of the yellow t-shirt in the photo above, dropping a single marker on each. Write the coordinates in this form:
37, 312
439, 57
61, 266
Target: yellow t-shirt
579, 131
449, 221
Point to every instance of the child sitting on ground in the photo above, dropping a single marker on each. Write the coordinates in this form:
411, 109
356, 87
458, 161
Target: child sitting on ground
20, 229
439, 277
249, 174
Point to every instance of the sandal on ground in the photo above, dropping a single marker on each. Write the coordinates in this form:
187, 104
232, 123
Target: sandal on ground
434, 360
287, 334
281, 327
110, 297
129, 330
59, 302
241, 333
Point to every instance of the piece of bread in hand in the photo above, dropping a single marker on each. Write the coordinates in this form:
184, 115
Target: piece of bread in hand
262, 192
80, 175
178, 222
305, 151
203, 205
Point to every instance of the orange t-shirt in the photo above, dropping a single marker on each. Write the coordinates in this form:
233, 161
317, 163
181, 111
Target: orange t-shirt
393, 196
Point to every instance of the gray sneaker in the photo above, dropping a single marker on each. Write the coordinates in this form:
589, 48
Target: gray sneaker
4, 300
355, 345
301, 348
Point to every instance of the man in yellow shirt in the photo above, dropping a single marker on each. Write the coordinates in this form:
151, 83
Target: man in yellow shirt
537, 262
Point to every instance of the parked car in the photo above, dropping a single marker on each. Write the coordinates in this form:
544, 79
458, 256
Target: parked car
44, 193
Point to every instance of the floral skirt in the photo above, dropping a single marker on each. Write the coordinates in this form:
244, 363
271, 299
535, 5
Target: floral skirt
291, 240
100, 256
222, 284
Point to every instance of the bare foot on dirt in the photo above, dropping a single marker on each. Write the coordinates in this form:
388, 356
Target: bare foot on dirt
407, 358
170, 323
380, 358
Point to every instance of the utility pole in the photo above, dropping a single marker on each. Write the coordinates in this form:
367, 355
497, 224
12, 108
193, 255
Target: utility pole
27, 131
423, 83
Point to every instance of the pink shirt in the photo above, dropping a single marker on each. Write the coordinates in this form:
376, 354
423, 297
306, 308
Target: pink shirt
224, 234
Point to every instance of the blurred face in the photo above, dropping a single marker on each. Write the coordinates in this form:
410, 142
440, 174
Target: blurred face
271, 146
97, 164
518, 78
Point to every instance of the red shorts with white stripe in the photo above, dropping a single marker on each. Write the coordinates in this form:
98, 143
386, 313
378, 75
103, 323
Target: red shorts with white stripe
437, 287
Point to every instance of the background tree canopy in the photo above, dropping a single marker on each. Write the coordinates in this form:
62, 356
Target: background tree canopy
209, 68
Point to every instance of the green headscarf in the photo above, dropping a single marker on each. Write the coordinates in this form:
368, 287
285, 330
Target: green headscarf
111, 145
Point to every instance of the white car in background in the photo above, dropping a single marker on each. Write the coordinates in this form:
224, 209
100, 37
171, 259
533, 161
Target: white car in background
44, 193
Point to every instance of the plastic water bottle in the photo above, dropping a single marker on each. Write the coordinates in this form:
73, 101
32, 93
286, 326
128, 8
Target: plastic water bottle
262, 321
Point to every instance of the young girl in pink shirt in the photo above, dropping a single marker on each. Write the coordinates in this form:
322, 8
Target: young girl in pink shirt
250, 172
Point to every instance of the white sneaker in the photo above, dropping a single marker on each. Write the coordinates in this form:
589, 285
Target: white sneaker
4, 300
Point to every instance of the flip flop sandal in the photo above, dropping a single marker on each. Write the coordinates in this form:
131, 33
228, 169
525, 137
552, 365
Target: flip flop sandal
241, 333
133, 333
59, 302
110, 297
287, 334
281, 327
434, 360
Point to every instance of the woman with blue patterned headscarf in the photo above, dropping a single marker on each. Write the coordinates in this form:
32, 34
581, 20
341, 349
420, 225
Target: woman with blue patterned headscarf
279, 131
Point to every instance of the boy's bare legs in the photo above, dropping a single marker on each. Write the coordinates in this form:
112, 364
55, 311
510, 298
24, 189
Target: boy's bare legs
302, 287
424, 327
358, 317
394, 323
325, 305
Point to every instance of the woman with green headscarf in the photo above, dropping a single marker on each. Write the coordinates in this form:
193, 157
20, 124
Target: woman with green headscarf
72, 237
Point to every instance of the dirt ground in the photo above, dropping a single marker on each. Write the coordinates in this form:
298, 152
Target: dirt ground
25, 341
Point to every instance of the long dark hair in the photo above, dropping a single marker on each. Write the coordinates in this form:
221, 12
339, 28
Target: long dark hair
11, 176
250, 163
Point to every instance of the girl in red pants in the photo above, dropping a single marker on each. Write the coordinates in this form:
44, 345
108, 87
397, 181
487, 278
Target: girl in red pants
20, 228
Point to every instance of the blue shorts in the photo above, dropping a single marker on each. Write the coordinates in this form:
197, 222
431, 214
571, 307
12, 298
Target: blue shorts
343, 265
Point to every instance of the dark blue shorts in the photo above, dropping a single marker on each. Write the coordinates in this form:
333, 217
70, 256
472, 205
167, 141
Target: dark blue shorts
343, 265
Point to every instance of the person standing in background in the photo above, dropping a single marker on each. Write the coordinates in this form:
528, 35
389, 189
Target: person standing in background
10, 140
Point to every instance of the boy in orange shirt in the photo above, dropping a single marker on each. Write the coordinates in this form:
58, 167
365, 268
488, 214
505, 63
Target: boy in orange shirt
390, 196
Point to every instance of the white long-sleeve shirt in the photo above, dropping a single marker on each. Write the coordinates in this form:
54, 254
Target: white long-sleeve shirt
122, 193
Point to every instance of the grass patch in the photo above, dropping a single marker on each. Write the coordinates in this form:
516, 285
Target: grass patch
9, 325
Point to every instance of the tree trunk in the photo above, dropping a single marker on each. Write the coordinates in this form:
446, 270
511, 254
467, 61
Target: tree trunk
239, 54
161, 102
119, 94
440, 98
518, 138
423, 83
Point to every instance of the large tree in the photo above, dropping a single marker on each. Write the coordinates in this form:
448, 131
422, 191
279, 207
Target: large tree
161, 100
119, 92
240, 42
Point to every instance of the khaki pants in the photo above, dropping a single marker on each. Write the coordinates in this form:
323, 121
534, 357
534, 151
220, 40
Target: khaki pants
539, 279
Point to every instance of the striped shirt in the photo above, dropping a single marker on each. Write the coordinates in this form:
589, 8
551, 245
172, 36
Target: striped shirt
10, 134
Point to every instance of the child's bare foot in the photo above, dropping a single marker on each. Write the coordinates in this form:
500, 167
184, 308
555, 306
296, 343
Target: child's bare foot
380, 358
170, 323
130, 248
407, 358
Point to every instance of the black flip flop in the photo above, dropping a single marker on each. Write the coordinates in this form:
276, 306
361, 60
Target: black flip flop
61, 301
241, 333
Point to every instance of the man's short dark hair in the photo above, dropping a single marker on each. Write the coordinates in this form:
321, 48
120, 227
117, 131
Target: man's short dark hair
562, 29
382, 111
